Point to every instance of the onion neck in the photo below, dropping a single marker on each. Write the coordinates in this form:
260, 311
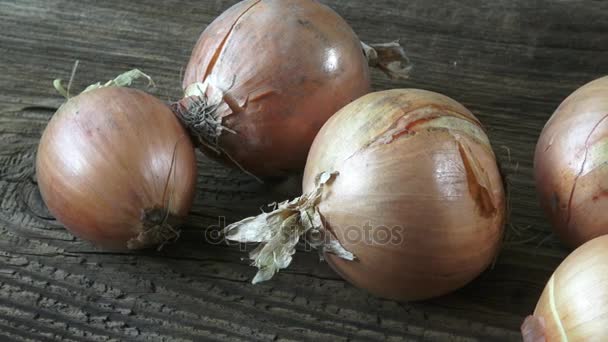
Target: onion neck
280, 230
159, 227
123, 80
390, 58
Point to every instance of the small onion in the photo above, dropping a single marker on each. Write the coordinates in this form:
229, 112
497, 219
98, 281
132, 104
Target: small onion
574, 304
570, 165
266, 75
116, 167
401, 191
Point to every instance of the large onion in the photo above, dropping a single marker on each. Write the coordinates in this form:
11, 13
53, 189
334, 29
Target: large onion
116, 167
266, 75
403, 181
570, 165
574, 304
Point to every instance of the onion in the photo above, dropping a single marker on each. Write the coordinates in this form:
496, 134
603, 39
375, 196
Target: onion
574, 304
266, 75
402, 194
116, 167
570, 165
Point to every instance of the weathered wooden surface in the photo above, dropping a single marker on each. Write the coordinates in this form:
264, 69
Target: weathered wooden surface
510, 61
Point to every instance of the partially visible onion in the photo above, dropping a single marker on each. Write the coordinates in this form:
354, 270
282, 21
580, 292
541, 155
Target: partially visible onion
574, 304
401, 191
570, 165
266, 75
116, 167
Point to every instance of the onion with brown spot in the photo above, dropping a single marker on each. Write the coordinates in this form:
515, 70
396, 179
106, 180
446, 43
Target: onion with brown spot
570, 165
401, 191
117, 168
574, 304
266, 75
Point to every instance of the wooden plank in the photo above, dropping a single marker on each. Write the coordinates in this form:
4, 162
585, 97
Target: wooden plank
510, 61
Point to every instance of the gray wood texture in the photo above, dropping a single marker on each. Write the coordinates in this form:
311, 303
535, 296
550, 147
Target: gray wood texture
510, 61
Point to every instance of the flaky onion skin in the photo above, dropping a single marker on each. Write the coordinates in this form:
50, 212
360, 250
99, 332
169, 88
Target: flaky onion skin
574, 304
117, 168
418, 198
570, 165
281, 69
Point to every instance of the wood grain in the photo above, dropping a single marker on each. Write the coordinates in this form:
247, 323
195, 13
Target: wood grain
509, 61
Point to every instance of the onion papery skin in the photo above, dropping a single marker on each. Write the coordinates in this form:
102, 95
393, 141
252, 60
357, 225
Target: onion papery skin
570, 165
114, 163
419, 164
574, 304
279, 69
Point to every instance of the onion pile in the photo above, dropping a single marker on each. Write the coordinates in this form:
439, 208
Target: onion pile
116, 167
266, 75
574, 304
570, 165
402, 195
